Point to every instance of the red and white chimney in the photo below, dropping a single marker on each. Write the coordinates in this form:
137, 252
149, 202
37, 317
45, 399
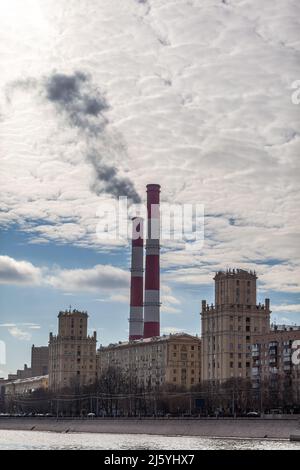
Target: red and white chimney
152, 278
136, 323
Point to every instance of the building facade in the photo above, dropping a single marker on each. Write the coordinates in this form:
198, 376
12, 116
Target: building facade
273, 370
39, 360
26, 386
72, 353
173, 359
228, 326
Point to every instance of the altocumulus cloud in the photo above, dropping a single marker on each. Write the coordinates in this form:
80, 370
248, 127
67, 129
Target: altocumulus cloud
194, 88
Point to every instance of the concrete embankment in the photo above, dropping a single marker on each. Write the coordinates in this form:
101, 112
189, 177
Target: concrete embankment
204, 427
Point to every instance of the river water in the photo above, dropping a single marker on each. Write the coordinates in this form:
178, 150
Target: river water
27, 440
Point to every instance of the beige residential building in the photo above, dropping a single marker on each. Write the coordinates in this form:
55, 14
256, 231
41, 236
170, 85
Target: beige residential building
39, 360
72, 353
272, 362
173, 359
26, 386
228, 326
24, 373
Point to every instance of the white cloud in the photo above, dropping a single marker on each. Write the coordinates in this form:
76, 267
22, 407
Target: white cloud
19, 334
290, 308
18, 272
99, 278
170, 330
122, 298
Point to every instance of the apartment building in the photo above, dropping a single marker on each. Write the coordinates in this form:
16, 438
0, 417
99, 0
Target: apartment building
72, 353
273, 367
170, 359
229, 325
39, 360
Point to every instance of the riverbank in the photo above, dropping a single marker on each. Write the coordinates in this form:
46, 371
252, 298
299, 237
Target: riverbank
255, 428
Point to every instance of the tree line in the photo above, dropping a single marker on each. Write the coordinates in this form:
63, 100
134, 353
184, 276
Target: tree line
117, 394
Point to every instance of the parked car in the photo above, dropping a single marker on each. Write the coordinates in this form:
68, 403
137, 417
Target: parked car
253, 414
276, 411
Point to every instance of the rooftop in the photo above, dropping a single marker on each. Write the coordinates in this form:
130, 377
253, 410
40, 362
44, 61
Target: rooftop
28, 380
155, 339
235, 272
71, 312
284, 327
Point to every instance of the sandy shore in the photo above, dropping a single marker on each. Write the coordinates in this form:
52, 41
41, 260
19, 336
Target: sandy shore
240, 428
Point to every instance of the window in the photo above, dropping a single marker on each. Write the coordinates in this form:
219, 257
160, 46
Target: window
231, 365
240, 365
247, 328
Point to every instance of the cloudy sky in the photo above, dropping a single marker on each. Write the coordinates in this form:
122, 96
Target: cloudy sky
99, 98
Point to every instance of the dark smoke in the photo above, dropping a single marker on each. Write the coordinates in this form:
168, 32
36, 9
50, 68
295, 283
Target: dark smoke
76, 97
108, 180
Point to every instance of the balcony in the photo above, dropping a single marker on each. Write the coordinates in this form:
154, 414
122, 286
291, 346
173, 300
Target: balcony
255, 353
272, 360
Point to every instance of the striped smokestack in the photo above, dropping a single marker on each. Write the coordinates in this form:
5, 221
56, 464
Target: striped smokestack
152, 279
136, 325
